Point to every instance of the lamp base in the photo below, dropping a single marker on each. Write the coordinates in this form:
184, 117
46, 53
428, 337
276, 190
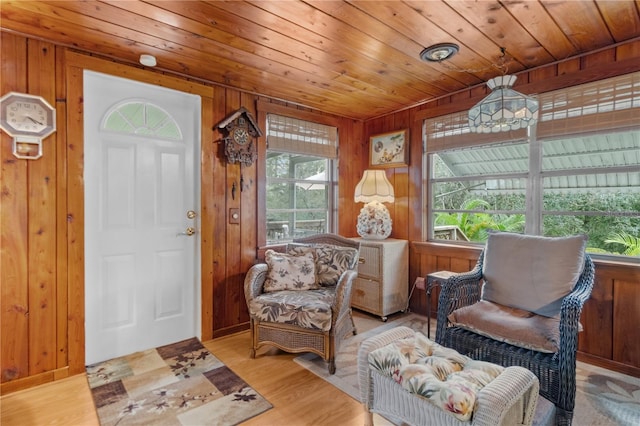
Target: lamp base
374, 221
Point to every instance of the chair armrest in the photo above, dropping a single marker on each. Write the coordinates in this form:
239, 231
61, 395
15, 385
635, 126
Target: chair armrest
573, 302
499, 401
342, 302
459, 290
368, 346
570, 311
254, 280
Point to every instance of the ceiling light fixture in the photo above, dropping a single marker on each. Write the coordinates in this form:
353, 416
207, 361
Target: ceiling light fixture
503, 109
439, 52
148, 60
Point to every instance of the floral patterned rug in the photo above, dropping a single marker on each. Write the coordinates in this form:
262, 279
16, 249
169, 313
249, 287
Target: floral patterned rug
178, 384
603, 397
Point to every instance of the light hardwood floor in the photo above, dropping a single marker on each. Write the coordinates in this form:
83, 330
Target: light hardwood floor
298, 396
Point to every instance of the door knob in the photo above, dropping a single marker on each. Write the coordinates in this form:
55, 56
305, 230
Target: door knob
189, 232
191, 214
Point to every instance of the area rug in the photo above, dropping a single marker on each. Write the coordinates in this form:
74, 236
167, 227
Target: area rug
603, 397
178, 384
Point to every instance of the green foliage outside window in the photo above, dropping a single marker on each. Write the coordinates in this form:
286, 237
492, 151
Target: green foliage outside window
297, 195
607, 233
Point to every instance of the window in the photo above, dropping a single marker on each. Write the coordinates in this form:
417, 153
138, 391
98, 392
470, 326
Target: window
300, 178
578, 171
141, 118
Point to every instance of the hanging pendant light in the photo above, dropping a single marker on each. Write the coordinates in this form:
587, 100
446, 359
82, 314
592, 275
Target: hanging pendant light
503, 109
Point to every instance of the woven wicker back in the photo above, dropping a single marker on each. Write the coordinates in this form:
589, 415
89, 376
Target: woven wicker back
333, 239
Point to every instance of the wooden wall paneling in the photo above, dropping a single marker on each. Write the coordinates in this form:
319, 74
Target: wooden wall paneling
569, 67
75, 216
443, 263
606, 56
350, 154
41, 223
400, 181
206, 217
62, 302
610, 317
261, 203
432, 257
14, 304
414, 179
418, 301
626, 309
234, 238
431, 263
218, 214
248, 232
628, 51
416, 202
363, 163
400, 206
597, 317
536, 75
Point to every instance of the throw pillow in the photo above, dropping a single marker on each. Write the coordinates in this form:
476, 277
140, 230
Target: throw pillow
331, 260
531, 272
289, 272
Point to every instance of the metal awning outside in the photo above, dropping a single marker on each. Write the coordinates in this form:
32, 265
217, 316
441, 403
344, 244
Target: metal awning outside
612, 163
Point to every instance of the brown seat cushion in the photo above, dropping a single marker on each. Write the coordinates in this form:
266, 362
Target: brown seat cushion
510, 325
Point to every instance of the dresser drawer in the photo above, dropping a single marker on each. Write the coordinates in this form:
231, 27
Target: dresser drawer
365, 295
370, 266
381, 287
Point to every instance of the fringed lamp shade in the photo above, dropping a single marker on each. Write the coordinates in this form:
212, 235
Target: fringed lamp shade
374, 221
503, 109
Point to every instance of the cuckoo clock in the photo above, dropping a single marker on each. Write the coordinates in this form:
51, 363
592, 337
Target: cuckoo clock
240, 130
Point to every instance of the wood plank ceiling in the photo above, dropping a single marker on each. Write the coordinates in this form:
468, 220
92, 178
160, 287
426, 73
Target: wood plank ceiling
357, 59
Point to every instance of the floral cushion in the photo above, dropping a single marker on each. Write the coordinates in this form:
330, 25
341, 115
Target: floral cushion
331, 261
309, 309
290, 272
446, 378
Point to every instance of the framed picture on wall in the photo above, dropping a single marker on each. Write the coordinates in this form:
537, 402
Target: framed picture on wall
389, 149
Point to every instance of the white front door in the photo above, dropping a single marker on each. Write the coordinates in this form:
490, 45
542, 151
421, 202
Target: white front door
141, 174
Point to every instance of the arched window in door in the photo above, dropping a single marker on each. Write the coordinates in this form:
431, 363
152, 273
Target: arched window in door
141, 118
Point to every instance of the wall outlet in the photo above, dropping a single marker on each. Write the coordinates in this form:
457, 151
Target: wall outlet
234, 215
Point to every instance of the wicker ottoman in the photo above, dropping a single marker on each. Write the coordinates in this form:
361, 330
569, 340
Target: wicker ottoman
508, 399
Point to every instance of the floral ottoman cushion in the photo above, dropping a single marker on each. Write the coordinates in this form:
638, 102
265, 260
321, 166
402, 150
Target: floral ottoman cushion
308, 309
446, 378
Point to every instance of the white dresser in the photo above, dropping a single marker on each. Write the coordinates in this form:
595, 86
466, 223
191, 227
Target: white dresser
381, 287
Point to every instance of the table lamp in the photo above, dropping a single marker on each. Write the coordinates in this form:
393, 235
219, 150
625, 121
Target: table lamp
374, 221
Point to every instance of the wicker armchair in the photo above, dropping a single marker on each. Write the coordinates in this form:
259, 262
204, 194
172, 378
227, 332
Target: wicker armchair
284, 323
556, 369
